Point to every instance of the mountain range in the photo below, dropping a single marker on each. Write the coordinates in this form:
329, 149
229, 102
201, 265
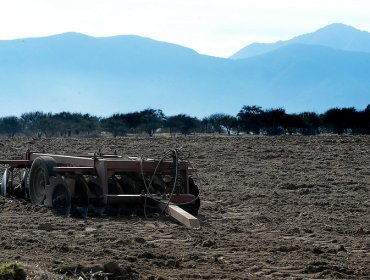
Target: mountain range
74, 72
336, 36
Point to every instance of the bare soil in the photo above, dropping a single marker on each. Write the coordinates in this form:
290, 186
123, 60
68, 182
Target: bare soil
271, 207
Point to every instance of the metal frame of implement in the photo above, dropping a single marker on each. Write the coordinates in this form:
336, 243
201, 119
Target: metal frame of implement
102, 167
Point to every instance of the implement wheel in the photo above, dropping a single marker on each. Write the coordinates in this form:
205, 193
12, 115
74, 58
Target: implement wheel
193, 207
41, 170
80, 198
61, 199
96, 203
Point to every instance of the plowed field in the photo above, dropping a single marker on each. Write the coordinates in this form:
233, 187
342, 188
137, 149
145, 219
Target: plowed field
271, 207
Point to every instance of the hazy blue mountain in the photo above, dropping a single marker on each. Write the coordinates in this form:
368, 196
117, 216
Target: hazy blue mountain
105, 75
336, 35
102, 76
309, 77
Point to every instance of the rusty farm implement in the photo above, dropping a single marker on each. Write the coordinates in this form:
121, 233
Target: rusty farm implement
99, 184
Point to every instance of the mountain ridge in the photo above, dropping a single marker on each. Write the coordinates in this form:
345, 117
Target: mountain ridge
336, 35
106, 75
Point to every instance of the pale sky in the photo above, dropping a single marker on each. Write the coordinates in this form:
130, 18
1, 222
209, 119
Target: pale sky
213, 27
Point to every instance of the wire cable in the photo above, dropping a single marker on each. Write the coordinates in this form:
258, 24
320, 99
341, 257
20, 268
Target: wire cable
176, 155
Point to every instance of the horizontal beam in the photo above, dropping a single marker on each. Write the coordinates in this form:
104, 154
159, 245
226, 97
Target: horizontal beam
181, 198
61, 159
17, 163
123, 198
81, 170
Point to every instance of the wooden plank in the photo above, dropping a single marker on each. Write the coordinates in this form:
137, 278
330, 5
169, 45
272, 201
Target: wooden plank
180, 215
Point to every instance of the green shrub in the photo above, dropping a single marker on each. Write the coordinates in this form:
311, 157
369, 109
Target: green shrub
12, 271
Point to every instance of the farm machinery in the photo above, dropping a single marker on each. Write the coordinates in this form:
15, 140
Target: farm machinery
97, 184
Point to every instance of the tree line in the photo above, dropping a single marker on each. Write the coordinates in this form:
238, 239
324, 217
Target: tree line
249, 120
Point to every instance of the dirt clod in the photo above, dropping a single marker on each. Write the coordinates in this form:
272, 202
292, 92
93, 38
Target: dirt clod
208, 243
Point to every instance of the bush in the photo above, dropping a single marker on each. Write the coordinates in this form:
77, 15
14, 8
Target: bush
12, 271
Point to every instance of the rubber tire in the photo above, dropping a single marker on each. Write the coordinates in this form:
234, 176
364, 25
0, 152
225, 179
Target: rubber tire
41, 170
